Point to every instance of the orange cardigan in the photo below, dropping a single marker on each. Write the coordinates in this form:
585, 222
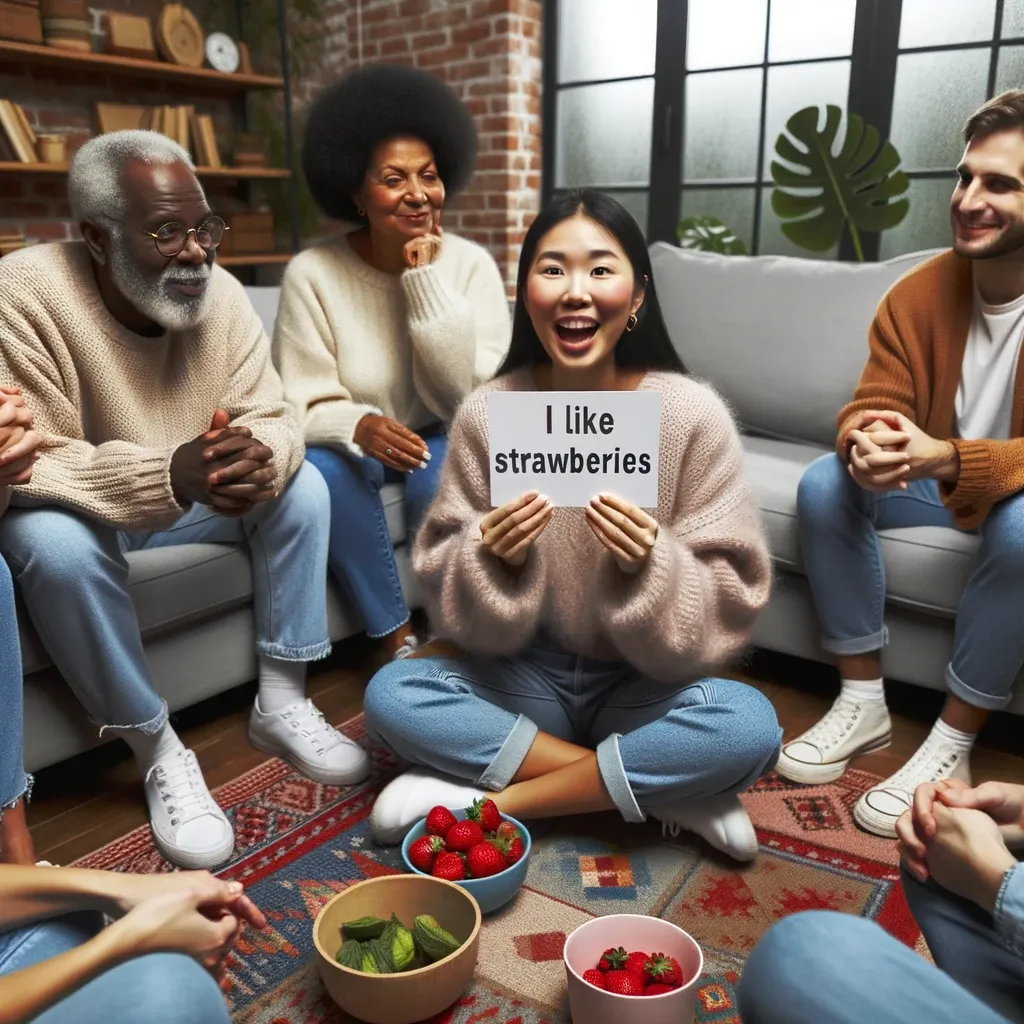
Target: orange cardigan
917, 343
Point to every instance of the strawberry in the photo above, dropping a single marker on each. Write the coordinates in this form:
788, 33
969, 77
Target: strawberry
507, 830
449, 866
657, 989
623, 983
637, 964
463, 836
439, 821
485, 813
664, 969
424, 850
485, 859
594, 977
516, 849
612, 960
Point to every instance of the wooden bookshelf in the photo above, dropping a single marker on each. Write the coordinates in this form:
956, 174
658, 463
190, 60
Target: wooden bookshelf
16, 167
265, 259
33, 55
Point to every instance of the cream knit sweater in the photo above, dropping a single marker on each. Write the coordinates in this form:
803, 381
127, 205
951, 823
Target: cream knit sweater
352, 340
113, 406
690, 608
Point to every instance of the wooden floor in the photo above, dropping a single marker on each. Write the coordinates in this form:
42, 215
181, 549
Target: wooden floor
82, 804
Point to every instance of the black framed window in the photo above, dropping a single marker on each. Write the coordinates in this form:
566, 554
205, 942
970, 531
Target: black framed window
674, 107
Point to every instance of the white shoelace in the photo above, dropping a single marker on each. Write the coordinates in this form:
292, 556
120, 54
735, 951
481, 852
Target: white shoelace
834, 727
182, 789
929, 764
310, 723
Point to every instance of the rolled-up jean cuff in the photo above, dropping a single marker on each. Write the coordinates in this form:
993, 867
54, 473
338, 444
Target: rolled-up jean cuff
148, 728
502, 770
613, 774
988, 701
859, 645
311, 652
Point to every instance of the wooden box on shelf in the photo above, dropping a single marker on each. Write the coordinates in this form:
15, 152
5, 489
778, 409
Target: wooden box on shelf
250, 233
20, 22
131, 36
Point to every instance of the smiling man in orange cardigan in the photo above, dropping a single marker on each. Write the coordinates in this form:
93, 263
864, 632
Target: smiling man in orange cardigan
933, 437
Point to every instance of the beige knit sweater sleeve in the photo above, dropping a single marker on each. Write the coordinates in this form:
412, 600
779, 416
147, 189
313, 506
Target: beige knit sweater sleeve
306, 354
472, 596
709, 574
458, 337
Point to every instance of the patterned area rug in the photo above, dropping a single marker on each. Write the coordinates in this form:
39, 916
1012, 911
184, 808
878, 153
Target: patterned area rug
298, 843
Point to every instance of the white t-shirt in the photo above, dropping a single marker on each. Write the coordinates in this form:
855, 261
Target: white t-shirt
985, 394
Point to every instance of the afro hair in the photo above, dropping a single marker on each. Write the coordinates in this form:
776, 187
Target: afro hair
368, 105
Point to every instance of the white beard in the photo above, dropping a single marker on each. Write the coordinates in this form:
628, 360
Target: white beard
158, 298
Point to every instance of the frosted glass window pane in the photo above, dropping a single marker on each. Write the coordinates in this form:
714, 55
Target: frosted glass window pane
732, 206
725, 33
935, 94
604, 134
606, 39
636, 202
1010, 70
926, 225
937, 22
795, 86
809, 29
723, 117
1013, 19
773, 242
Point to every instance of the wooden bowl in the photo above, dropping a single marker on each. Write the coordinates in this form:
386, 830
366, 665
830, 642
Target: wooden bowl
413, 995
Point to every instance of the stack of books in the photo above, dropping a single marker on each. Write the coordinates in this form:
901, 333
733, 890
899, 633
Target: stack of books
18, 133
11, 242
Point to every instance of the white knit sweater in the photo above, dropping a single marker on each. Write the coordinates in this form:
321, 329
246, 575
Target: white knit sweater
352, 340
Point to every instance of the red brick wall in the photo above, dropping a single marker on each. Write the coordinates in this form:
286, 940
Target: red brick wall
487, 50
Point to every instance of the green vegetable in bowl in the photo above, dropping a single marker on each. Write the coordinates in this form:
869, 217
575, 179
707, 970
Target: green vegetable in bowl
364, 928
433, 939
398, 941
351, 955
391, 947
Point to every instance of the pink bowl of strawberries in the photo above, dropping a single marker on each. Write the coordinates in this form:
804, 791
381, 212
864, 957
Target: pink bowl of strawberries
478, 848
631, 969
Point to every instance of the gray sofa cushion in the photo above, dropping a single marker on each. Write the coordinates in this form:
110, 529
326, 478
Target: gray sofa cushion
784, 340
926, 567
173, 587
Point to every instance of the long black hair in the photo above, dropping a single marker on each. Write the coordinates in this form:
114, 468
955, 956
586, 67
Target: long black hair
647, 346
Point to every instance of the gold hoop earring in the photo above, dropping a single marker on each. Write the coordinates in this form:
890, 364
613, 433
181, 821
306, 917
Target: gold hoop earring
631, 322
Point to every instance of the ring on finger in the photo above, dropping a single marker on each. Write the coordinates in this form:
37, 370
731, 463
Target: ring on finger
387, 451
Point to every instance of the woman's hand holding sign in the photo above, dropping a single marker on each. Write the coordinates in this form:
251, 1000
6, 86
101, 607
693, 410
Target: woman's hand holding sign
510, 531
626, 531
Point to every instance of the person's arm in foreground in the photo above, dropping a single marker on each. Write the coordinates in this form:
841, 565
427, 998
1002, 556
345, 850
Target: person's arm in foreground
191, 913
956, 835
18, 443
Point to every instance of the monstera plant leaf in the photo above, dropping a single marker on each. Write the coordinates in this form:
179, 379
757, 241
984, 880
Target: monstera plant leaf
709, 234
818, 191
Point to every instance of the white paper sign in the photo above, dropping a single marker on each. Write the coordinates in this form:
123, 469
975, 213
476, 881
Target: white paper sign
573, 445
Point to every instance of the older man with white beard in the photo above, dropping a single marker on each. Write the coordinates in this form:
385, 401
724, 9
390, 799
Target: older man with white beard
149, 376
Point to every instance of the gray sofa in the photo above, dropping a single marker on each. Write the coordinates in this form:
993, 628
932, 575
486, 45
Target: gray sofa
784, 341
194, 607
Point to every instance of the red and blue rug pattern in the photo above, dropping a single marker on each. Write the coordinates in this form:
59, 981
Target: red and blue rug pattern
298, 843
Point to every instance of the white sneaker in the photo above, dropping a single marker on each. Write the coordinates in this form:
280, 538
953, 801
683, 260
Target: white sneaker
879, 808
189, 828
850, 728
300, 735
410, 645
721, 820
403, 802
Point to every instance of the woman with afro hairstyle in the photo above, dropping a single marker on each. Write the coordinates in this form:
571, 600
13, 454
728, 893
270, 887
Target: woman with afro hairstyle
383, 330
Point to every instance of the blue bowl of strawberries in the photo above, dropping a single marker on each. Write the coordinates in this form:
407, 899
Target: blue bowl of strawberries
478, 848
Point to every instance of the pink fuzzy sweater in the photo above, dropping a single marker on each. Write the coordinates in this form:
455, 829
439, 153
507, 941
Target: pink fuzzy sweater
689, 609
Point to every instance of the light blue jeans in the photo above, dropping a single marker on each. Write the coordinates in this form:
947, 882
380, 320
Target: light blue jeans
823, 966
362, 558
14, 783
838, 523
477, 717
74, 578
162, 988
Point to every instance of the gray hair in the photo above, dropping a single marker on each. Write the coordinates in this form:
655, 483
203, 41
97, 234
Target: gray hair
95, 189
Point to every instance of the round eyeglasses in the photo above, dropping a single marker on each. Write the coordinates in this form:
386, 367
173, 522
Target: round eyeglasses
172, 237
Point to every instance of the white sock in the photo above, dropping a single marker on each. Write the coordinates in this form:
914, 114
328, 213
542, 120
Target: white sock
281, 683
151, 749
865, 691
946, 736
